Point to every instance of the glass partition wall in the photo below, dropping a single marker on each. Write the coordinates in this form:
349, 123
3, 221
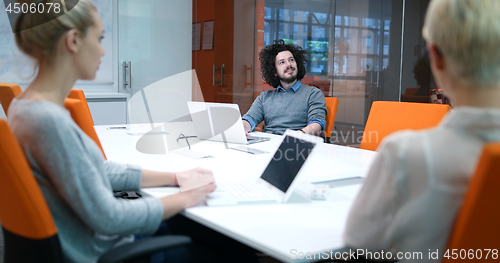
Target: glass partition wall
354, 49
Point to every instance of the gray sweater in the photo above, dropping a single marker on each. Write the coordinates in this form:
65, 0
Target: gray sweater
78, 182
288, 109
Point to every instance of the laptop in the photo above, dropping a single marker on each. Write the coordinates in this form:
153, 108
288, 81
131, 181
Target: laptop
277, 182
220, 122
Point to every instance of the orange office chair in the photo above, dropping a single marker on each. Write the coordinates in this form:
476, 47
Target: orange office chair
79, 95
30, 234
7, 93
307, 80
323, 85
260, 127
387, 117
476, 224
78, 110
332, 104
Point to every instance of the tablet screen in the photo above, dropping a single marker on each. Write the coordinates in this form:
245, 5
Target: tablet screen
287, 161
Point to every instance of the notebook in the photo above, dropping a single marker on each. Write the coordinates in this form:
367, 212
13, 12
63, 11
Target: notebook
277, 181
220, 122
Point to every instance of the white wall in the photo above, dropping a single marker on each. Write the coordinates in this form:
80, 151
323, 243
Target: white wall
159, 47
17, 68
155, 36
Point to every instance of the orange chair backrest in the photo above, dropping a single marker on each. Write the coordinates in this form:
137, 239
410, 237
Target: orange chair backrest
7, 93
332, 104
476, 224
387, 117
23, 210
307, 80
323, 85
79, 95
78, 110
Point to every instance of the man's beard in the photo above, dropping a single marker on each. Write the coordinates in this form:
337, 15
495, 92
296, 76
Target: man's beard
289, 79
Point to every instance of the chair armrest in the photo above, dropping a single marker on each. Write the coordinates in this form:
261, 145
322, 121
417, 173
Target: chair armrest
143, 248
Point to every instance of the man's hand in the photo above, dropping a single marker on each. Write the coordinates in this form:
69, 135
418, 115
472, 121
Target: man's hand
247, 127
313, 129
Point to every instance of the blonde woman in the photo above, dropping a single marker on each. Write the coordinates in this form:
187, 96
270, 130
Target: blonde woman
75, 179
416, 184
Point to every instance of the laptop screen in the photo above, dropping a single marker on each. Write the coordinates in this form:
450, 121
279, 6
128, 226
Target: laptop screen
287, 161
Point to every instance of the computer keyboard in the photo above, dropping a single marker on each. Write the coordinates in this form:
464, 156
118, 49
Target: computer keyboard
247, 190
257, 139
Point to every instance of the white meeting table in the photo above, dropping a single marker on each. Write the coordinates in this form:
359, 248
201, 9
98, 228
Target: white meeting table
279, 230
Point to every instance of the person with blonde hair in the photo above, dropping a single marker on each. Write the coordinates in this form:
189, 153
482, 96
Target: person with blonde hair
75, 179
416, 184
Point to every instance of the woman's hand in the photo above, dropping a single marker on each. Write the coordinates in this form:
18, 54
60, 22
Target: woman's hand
195, 196
195, 185
194, 178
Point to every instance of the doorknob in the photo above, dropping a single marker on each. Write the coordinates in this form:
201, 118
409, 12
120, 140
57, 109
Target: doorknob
127, 74
378, 78
249, 80
221, 68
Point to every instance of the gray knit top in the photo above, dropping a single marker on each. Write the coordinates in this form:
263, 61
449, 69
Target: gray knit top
293, 108
78, 182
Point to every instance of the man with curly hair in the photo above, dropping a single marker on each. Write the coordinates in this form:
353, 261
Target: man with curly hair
292, 105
